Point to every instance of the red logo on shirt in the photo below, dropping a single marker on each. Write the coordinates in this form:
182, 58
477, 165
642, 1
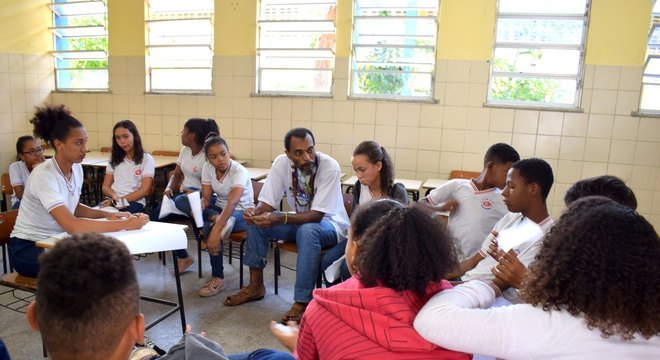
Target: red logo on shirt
138, 172
195, 169
486, 204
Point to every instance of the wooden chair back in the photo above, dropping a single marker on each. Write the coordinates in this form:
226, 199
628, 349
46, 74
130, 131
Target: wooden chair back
7, 221
7, 191
165, 153
463, 174
106, 149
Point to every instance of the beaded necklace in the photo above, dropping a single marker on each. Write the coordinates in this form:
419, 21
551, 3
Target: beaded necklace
304, 196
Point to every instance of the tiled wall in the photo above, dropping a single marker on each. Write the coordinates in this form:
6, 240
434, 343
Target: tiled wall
426, 140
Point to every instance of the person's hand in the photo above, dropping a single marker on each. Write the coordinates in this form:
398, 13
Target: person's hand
136, 221
187, 190
248, 214
288, 337
267, 219
168, 192
117, 215
213, 244
106, 202
494, 249
205, 203
509, 271
450, 205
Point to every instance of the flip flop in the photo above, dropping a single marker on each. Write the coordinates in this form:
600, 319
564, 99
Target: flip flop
244, 295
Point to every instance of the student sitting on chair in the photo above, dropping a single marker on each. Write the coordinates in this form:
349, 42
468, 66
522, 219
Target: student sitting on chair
130, 174
29, 154
528, 184
475, 205
50, 202
232, 185
187, 176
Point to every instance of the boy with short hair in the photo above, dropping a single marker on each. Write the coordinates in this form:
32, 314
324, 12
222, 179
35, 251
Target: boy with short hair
475, 205
528, 184
87, 305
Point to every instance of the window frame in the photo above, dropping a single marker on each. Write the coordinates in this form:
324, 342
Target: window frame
578, 77
654, 26
202, 16
63, 34
261, 24
353, 70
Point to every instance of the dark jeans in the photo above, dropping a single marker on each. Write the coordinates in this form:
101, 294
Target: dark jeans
24, 256
262, 354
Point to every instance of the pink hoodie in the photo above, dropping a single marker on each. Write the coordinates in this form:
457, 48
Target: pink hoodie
349, 321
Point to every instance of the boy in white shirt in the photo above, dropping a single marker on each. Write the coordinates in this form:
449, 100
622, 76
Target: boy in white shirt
475, 204
528, 184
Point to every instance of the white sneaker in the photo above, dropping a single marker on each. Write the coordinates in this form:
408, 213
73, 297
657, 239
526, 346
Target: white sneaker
226, 230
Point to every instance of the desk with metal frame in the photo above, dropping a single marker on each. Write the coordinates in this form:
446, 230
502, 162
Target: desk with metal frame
153, 237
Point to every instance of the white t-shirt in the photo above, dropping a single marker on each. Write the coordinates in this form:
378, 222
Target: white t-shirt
461, 319
46, 189
476, 214
526, 251
18, 175
191, 166
128, 175
327, 190
236, 176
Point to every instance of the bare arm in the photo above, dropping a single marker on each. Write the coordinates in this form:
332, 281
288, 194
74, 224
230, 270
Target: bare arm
108, 180
18, 191
268, 219
78, 223
173, 185
207, 193
143, 191
465, 266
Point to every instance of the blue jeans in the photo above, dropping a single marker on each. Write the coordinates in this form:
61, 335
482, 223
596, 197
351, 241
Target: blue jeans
16, 205
310, 238
217, 266
262, 354
24, 256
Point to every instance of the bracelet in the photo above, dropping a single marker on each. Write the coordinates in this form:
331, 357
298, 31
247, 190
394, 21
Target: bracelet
286, 218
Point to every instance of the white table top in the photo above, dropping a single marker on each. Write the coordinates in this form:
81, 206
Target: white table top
257, 174
155, 236
410, 185
433, 183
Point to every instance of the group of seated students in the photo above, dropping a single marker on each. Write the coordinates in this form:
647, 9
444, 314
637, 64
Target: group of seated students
587, 286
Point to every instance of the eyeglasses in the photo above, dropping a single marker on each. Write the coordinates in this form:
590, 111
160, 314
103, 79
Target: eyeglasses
33, 152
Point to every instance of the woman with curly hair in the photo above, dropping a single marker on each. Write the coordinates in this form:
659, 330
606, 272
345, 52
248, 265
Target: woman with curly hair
593, 292
399, 256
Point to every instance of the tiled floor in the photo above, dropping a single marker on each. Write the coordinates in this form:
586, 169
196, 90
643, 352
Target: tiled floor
238, 328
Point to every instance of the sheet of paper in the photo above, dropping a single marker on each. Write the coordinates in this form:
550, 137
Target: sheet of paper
333, 272
525, 231
168, 207
196, 206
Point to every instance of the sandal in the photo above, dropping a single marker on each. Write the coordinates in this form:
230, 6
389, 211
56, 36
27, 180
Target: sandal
295, 313
246, 294
213, 286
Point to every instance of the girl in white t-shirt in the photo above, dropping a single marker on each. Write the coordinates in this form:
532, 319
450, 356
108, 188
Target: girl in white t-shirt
232, 185
50, 202
130, 174
187, 175
29, 154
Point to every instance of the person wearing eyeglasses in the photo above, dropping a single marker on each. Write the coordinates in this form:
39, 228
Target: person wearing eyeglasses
29, 154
